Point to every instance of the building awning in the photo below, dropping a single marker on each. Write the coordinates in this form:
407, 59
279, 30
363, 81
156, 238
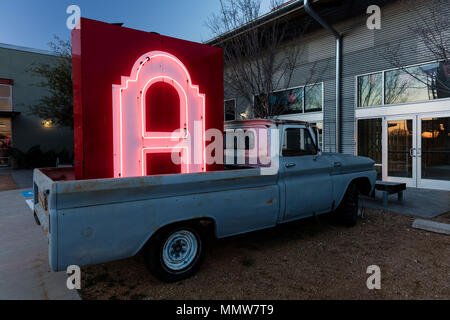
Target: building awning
8, 114
7, 81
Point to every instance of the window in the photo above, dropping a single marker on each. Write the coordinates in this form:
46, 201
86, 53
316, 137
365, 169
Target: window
436, 148
5, 140
298, 142
370, 91
296, 100
5, 97
313, 98
424, 82
230, 110
318, 130
369, 141
288, 101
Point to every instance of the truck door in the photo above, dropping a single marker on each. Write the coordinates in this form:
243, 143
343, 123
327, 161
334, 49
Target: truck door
307, 175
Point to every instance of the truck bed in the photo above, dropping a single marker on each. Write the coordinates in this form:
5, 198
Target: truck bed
94, 221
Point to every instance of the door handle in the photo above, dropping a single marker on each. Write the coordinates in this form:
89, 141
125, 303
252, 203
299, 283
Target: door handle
411, 152
337, 164
290, 165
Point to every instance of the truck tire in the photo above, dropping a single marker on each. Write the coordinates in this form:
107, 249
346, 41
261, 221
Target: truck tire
348, 209
175, 254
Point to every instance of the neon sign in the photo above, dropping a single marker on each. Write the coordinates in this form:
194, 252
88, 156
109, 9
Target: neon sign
134, 140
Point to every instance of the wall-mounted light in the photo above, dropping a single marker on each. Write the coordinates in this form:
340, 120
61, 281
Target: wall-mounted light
47, 123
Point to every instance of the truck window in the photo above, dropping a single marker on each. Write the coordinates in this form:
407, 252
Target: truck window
298, 142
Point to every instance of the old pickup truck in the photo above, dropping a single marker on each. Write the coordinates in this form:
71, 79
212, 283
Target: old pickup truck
169, 216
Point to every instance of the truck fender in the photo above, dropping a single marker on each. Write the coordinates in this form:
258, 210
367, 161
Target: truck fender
208, 223
363, 185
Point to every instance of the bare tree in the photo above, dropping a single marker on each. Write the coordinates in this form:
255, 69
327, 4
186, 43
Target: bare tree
258, 58
432, 27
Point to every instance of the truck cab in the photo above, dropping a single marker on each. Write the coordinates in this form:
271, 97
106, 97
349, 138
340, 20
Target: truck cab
300, 163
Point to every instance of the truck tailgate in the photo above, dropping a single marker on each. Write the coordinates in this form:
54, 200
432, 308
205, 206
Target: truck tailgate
42, 187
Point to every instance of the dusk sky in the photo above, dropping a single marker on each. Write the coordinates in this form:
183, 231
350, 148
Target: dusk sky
32, 23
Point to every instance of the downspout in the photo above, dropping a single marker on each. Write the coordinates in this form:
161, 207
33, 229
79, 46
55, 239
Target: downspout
338, 37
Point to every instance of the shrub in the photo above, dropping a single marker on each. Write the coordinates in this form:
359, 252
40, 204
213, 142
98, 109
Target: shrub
35, 158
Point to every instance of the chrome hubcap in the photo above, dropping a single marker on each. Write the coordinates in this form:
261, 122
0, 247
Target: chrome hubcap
180, 249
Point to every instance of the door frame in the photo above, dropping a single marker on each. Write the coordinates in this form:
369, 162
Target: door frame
410, 182
420, 109
428, 183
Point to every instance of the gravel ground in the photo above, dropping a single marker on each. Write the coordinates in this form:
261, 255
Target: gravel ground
308, 259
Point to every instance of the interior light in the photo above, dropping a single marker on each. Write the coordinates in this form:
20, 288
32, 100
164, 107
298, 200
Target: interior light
47, 123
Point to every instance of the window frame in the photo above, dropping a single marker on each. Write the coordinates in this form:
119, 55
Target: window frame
285, 129
10, 97
303, 97
322, 92
225, 111
383, 86
357, 89
303, 87
315, 127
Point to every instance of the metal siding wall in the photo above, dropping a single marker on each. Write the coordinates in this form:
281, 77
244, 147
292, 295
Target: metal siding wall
27, 129
361, 54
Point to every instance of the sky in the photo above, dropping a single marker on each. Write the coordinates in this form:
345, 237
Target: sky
32, 23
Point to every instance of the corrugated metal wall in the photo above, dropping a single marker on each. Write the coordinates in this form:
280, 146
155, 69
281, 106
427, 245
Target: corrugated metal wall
361, 54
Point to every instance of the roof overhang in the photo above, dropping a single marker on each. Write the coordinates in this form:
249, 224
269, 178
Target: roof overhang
332, 11
284, 10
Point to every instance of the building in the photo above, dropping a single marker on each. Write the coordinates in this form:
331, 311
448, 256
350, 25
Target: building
18, 91
383, 111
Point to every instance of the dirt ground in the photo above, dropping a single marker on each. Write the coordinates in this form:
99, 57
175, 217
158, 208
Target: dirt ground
309, 259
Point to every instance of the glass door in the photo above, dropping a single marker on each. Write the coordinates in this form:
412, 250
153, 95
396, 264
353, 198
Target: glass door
5, 140
433, 151
400, 150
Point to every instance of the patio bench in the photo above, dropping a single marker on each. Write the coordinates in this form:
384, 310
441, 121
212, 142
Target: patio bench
389, 188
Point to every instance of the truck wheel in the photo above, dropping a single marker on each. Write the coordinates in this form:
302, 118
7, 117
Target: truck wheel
175, 254
348, 209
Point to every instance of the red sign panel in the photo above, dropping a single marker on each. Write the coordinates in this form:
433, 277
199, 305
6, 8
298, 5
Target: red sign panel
142, 102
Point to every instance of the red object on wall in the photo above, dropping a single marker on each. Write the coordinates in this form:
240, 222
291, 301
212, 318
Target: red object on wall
102, 54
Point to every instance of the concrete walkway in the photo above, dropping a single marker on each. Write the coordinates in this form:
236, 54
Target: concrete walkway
23, 178
424, 203
24, 270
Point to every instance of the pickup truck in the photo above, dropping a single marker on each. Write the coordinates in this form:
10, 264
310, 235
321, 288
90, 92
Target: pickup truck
169, 216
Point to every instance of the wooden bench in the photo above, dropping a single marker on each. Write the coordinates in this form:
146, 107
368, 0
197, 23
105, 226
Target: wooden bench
389, 188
